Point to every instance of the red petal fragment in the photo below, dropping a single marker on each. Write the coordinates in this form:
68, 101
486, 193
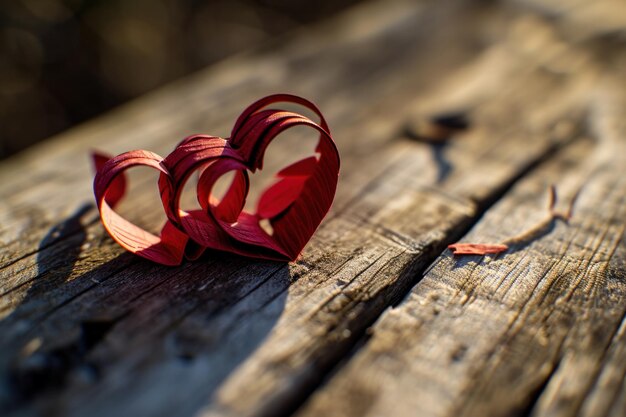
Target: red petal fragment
277, 198
302, 167
476, 248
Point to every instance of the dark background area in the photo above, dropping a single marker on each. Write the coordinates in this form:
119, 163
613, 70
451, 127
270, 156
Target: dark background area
65, 61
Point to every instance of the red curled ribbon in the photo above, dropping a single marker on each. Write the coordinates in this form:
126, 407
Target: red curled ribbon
294, 205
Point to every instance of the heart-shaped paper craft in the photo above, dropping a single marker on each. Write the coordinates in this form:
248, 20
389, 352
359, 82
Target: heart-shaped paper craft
294, 205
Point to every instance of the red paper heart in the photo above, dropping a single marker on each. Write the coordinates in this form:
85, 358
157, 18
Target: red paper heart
294, 205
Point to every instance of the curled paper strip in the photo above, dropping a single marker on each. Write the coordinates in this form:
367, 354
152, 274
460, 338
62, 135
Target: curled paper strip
477, 248
294, 205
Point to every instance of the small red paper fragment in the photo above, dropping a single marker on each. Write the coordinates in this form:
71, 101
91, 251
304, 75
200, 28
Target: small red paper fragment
117, 189
476, 248
294, 205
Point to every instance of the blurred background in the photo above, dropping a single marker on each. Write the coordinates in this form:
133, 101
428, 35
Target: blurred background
65, 61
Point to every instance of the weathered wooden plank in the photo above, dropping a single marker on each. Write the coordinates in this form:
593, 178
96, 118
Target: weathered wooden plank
211, 100
29, 227
538, 330
103, 286
241, 337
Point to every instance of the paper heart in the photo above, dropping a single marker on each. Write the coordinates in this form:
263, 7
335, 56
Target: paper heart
294, 205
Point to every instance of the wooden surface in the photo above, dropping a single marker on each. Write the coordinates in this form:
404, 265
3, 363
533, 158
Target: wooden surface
377, 318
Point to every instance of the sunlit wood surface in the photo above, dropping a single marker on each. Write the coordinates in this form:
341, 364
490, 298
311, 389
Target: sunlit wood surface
452, 118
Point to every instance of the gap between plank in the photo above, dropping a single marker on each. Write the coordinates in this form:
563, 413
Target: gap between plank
359, 340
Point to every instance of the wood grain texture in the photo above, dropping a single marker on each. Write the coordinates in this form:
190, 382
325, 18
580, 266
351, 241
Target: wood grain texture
538, 330
90, 330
